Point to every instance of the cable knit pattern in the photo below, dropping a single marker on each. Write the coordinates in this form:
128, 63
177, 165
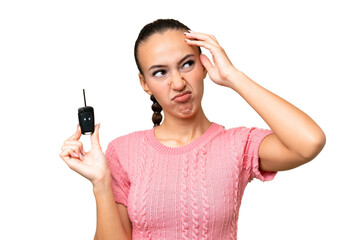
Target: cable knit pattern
204, 194
143, 207
184, 205
139, 214
236, 184
194, 198
120, 180
203, 180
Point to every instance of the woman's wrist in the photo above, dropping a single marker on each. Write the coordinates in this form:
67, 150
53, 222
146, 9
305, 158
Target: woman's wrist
102, 184
234, 77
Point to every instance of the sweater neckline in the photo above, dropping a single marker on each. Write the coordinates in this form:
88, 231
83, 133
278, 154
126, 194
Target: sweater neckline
161, 148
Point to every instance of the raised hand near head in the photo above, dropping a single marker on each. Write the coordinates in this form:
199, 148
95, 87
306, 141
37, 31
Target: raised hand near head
222, 70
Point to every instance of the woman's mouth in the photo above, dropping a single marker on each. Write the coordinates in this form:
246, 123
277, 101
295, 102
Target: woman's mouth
182, 97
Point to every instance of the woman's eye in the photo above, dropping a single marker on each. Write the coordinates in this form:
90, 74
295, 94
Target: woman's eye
188, 64
159, 73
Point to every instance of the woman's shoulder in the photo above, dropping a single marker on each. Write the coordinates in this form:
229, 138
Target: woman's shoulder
232, 130
244, 131
129, 138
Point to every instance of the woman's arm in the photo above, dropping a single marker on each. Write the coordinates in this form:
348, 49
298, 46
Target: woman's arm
109, 225
112, 223
297, 138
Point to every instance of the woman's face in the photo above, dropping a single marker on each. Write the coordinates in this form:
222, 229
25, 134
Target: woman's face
170, 67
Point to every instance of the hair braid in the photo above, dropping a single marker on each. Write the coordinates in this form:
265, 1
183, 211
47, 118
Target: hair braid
156, 117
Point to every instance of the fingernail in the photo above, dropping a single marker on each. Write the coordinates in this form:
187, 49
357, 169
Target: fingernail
186, 33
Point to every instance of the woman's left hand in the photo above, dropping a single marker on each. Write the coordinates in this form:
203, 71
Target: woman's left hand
223, 70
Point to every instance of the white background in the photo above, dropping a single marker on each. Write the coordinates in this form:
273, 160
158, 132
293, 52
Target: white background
307, 52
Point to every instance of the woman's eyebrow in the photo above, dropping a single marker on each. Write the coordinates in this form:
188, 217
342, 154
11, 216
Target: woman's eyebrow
187, 56
161, 66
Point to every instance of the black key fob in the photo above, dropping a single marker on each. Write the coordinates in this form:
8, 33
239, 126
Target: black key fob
86, 118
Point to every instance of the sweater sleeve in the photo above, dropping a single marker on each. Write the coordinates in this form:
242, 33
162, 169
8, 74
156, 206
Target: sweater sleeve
119, 178
251, 154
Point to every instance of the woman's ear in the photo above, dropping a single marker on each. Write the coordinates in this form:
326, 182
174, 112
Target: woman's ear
144, 84
204, 69
205, 72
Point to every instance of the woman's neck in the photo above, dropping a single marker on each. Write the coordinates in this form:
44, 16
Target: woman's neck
176, 132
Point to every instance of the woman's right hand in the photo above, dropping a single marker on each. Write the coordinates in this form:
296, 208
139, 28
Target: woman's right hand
92, 164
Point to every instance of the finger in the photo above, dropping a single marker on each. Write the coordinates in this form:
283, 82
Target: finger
201, 43
95, 142
214, 50
64, 155
202, 36
77, 134
73, 153
75, 149
75, 143
73, 163
67, 154
207, 64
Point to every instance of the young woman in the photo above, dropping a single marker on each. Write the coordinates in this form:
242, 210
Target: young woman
185, 178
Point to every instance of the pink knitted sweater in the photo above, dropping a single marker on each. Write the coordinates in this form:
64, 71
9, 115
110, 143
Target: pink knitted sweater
188, 192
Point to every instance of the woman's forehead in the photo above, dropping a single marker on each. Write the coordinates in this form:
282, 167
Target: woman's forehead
164, 47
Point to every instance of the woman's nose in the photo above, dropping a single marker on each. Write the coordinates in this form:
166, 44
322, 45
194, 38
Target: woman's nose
177, 81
